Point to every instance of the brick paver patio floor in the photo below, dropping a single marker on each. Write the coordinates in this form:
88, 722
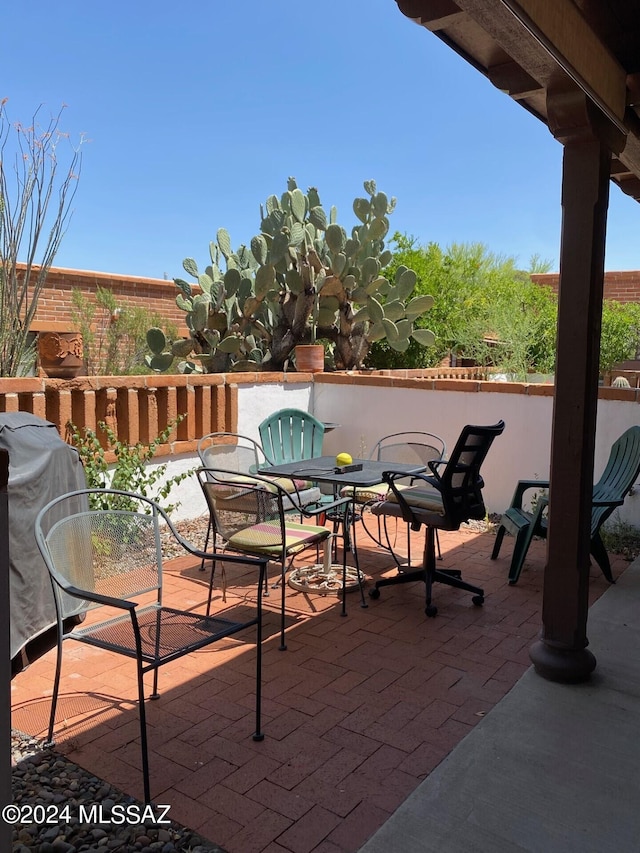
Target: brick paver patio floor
356, 713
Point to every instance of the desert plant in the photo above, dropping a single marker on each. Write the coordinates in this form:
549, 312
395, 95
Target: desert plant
302, 278
621, 537
484, 308
35, 208
228, 325
114, 333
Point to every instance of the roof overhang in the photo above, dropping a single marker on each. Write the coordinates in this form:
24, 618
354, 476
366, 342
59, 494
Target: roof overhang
531, 48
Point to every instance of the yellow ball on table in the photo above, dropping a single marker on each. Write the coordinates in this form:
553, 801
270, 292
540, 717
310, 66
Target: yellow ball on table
343, 459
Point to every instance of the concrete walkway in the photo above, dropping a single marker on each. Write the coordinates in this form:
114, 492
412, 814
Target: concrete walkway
551, 768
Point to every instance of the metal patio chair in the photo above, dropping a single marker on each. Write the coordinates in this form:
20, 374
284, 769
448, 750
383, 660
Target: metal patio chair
229, 451
248, 515
102, 548
411, 447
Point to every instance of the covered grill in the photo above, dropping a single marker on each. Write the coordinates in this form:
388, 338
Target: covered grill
41, 467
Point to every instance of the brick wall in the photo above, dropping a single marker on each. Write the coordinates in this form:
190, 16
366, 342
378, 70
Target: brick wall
158, 295
621, 286
54, 305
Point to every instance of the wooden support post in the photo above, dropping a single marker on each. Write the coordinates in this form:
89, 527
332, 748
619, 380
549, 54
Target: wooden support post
561, 654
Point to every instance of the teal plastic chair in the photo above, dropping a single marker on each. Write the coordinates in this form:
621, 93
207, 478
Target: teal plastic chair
609, 492
290, 435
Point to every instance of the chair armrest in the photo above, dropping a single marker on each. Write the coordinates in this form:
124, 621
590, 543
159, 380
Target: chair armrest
523, 486
321, 508
407, 513
613, 503
208, 555
433, 465
97, 598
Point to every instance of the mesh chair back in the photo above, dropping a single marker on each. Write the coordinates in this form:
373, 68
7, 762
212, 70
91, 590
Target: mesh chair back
460, 483
411, 447
231, 452
112, 552
290, 435
241, 502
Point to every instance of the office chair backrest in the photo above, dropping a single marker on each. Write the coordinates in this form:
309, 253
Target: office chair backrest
460, 481
290, 435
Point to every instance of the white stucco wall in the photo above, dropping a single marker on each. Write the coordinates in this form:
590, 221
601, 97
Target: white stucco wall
256, 402
368, 412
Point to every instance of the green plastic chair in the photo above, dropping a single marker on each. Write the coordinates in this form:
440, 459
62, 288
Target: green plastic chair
609, 492
290, 435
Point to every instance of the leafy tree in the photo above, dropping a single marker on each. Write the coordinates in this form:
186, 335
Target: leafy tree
484, 308
620, 336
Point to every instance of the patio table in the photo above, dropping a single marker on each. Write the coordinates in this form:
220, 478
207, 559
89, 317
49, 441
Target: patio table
361, 473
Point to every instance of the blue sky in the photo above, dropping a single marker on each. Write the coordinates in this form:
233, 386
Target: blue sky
196, 112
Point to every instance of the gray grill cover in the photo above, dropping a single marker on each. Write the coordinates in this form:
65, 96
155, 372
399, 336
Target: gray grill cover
41, 467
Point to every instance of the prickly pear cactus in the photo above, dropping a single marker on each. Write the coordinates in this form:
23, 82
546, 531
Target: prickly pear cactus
329, 283
228, 324
302, 278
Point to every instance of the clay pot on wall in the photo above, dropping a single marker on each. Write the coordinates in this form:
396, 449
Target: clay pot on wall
61, 354
310, 358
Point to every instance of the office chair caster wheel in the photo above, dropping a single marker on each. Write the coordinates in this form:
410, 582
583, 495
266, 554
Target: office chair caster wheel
374, 593
478, 600
431, 610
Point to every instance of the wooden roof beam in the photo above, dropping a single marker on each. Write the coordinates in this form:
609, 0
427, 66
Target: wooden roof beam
633, 90
618, 169
441, 13
564, 32
512, 79
629, 184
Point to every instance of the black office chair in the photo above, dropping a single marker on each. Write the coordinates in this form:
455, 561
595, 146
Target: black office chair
451, 495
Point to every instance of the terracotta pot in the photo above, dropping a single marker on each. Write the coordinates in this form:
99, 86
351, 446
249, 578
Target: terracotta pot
61, 354
310, 358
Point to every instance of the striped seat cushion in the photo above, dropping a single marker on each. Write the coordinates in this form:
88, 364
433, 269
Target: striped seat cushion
290, 485
266, 537
366, 494
421, 497
285, 483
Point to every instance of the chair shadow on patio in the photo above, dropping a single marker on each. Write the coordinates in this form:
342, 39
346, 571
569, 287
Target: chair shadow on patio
356, 713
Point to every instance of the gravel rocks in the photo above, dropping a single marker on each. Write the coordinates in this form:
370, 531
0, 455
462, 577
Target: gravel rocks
60, 808
194, 531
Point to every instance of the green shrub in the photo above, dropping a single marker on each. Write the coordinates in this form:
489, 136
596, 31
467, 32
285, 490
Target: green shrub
484, 309
131, 472
620, 336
